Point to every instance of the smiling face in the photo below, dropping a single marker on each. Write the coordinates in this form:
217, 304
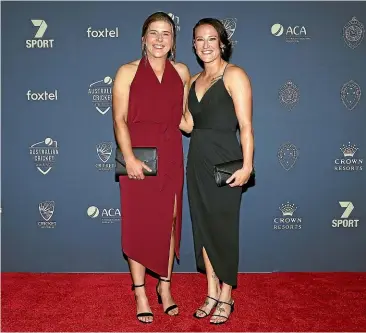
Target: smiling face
207, 43
158, 39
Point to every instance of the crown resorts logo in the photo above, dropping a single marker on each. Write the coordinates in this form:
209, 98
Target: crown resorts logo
287, 221
44, 155
175, 19
38, 42
350, 94
287, 155
46, 210
101, 93
293, 34
353, 33
230, 27
344, 221
289, 95
104, 152
104, 215
349, 162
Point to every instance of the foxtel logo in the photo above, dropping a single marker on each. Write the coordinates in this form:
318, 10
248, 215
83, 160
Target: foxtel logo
102, 33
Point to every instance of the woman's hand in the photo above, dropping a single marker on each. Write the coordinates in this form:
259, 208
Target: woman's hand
186, 122
240, 177
135, 168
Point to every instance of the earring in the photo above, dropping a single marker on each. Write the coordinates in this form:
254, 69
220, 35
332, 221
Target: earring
143, 49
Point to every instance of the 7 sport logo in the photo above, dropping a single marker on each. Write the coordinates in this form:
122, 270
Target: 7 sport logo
349, 208
38, 42
344, 221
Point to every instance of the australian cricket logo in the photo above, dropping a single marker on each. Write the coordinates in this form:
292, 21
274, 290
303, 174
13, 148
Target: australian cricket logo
230, 27
350, 94
104, 152
44, 155
289, 95
287, 155
353, 33
101, 94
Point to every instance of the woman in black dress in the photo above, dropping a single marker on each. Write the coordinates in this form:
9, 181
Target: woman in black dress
219, 101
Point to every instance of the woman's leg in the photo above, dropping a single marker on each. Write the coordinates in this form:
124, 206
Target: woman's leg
223, 309
138, 278
213, 288
164, 287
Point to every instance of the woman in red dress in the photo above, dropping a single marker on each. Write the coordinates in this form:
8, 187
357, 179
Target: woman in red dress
148, 101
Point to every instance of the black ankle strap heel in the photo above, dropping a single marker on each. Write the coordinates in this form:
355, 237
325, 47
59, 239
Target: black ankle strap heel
142, 314
160, 301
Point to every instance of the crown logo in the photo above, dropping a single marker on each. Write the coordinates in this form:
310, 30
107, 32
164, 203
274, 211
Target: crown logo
287, 209
348, 150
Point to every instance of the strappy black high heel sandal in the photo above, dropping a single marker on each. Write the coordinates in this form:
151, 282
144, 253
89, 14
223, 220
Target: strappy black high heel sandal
206, 314
160, 301
142, 314
223, 310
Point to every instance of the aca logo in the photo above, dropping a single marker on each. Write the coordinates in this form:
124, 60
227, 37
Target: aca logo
293, 34
104, 215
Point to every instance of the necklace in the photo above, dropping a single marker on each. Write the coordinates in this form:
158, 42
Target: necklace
212, 81
216, 77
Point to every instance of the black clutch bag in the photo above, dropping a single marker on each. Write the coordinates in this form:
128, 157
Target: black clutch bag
223, 171
148, 155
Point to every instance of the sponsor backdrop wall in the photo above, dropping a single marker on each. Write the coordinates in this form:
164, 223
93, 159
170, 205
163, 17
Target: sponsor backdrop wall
306, 61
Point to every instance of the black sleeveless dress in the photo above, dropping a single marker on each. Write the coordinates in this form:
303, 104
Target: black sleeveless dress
214, 210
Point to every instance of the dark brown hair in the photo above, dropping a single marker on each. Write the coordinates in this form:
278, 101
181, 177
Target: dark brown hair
160, 16
223, 36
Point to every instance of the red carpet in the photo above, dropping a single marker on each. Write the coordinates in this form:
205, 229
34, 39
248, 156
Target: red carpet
104, 303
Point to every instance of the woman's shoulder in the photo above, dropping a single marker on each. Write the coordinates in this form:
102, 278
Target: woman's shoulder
130, 66
128, 70
182, 70
180, 67
195, 77
233, 71
236, 78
